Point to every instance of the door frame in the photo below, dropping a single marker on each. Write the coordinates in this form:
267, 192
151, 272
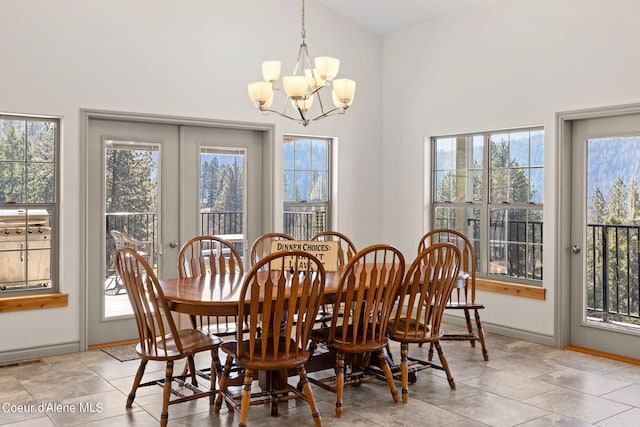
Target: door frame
564, 124
268, 158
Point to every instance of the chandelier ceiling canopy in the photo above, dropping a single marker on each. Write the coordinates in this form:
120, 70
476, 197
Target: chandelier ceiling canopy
303, 89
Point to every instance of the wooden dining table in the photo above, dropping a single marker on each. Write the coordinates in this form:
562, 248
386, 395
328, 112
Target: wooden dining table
218, 295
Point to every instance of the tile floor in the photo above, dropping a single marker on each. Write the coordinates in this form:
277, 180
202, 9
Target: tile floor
524, 384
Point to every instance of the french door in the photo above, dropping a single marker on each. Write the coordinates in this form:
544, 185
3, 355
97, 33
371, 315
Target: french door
605, 234
158, 185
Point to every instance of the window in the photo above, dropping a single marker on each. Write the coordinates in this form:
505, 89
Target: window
490, 187
28, 204
306, 185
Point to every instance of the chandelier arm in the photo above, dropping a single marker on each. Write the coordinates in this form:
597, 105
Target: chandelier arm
268, 110
320, 100
332, 112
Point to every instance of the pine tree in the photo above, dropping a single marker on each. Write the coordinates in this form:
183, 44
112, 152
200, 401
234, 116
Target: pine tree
598, 209
617, 204
12, 149
131, 186
40, 162
634, 201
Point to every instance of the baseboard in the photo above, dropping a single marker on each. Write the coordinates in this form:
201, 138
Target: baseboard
506, 331
37, 352
602, 354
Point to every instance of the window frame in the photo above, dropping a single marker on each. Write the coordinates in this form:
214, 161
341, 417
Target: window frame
327, 205
53, 208
485, 205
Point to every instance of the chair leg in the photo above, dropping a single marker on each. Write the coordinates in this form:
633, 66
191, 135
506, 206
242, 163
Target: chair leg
404, 350
166, 394
339, 383
430, 357
302, 373
246, 397
445, 365
215, 363
467, 318
192, 370
389, 376
136, 382
226, 371
185, 370
485, 354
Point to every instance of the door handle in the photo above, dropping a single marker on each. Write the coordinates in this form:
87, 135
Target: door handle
575, 249
173, 244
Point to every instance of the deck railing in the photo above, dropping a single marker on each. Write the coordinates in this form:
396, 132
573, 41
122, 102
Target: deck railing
613, 273
144, 226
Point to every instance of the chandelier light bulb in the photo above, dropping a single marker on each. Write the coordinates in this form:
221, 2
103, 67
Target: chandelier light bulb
327, 67
345, 90
314, 79
260, 93
303, 104
295, 86
271, 71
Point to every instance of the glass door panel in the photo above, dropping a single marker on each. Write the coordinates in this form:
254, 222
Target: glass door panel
222, 194
131, 212
612, 275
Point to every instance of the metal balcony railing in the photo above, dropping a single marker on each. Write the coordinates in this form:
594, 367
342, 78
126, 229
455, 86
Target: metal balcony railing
144, 226
613, 273
613, 253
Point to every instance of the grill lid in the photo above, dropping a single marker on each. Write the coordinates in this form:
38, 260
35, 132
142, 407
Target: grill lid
19, 218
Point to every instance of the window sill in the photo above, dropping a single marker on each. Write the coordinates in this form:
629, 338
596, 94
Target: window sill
525, 291
33, 302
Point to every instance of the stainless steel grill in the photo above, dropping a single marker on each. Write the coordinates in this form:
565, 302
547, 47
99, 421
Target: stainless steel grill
25, 249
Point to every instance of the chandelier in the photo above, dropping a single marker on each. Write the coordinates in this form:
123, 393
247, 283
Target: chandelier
303, 88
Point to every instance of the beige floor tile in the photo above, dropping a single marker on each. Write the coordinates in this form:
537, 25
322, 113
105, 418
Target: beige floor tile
523, 384
580, 406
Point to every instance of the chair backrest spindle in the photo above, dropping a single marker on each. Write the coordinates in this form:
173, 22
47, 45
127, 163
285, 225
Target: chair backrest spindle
282, 294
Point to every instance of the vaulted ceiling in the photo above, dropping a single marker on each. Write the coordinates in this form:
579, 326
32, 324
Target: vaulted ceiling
386, 16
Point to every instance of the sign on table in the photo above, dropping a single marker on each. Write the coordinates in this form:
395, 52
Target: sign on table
326, 252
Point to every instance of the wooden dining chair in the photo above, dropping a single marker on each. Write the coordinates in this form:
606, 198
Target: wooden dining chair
422, 298
346, 251
261, 247
279, 289
204, 255
159, 339
346, 248
462, 297
367, 288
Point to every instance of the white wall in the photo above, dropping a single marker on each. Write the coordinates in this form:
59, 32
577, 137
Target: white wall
184, 58
515, 63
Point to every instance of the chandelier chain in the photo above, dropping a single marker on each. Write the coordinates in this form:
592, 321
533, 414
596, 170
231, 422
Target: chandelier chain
303, 32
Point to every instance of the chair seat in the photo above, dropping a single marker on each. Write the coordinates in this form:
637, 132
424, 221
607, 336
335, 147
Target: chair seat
464, 305
350, 345
220, 329
193, 341
283, 359
416, 332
